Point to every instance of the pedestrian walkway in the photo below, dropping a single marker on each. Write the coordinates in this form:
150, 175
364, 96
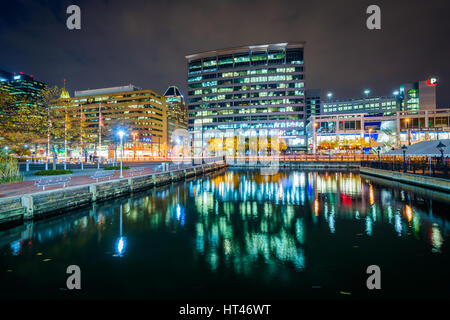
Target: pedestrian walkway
27, 187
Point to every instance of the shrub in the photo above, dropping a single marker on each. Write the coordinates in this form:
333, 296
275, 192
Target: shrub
52, 172
116, 168
9, 170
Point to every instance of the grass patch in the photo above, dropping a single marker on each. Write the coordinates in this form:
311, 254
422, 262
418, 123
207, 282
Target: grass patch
52, 172
116, 168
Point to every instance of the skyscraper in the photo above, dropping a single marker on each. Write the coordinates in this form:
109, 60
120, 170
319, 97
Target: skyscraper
20, 85
250, 88
176, 111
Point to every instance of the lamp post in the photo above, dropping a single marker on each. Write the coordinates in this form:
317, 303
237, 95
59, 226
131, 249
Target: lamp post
367, 92
330, 95
379, 154
404, 148
393, 159
407, 131
370, 139
441, 147
315, 137
121, 134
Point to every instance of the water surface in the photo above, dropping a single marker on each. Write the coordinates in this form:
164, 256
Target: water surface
239, 234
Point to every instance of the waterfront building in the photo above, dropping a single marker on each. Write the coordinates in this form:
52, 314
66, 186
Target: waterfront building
21, 85
420, 95
176, 111
313, 102
387, 131
254, 90
141, 113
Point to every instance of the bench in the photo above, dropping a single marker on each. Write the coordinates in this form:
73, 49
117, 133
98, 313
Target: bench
103, 174
48, 181
136, 170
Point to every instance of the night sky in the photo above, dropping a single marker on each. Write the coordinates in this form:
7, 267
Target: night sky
145, 42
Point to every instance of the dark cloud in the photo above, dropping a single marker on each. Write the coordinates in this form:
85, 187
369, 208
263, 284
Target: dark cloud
145, 42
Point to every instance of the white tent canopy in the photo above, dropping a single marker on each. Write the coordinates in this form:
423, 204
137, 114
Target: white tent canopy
422, 149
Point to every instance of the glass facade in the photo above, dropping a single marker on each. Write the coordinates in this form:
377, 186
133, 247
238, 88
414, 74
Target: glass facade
255, 87
375, 105
21, 85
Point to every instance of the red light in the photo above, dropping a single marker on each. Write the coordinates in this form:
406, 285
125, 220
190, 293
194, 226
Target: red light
21, 72
31, 76
431, 82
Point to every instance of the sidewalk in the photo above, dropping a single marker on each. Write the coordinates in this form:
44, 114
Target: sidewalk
26, 187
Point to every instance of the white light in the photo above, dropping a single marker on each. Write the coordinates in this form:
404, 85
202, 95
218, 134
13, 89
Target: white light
16, 77
121, 134
396, 92
329, 94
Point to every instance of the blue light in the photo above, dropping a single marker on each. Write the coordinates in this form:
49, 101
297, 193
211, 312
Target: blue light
121, 245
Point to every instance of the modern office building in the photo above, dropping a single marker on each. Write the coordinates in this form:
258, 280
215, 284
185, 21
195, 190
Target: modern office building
256, 89
415, 96
386, 131
141, 113
313, 101
370, 105
21, 85
176, 111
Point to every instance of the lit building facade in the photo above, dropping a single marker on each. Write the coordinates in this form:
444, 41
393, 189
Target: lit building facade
21, 85
176, 111
139, 112
251, 89
373, 130
414, 96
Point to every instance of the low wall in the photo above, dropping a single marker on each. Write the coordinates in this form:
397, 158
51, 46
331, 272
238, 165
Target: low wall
414, 179
44, 203
316, 165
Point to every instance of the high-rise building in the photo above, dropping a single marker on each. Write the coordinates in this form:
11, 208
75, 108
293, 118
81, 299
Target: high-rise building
313, 99
140, 112
21, 85
176, 111
256, 88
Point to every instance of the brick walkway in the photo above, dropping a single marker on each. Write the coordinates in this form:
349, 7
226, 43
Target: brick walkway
27, 187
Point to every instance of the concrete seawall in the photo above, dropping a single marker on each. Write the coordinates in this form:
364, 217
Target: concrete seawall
414, 179
312, 165
40, 204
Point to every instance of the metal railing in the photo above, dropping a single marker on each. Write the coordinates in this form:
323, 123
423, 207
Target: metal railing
432, 168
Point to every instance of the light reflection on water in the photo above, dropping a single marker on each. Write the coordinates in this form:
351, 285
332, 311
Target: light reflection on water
241, 222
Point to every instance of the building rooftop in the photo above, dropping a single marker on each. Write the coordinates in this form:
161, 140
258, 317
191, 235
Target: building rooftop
92, 92
283, 45
172, 91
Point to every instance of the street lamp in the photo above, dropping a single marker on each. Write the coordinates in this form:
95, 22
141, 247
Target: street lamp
379, 153
367, 92
407, 131
370, 140
330, 95
404, 148
441, 147
6, 148
315, 137
121, 134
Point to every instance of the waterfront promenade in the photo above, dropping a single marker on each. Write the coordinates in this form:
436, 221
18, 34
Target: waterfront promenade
79, 178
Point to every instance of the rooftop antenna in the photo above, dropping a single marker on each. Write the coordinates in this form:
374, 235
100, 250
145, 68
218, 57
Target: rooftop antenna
64, 83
